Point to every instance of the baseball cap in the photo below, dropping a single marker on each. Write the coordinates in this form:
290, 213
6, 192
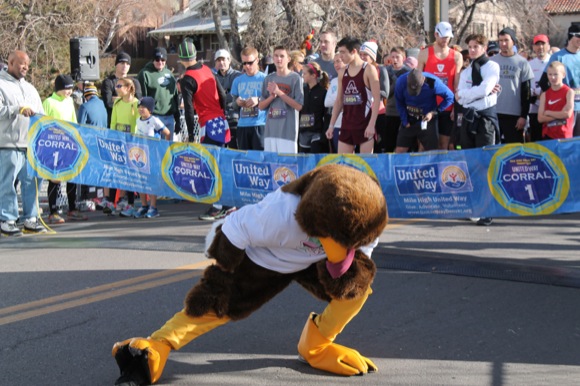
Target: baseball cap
160, 53
492, 47
122, 57
574, 28
148, 102
541, 38
186, 50
415, 81
444, 29
63, 82
221, 54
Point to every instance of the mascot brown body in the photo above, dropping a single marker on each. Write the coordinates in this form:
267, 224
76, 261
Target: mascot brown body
319, 231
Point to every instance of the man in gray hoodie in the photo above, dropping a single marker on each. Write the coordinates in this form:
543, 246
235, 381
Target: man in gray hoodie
19, 100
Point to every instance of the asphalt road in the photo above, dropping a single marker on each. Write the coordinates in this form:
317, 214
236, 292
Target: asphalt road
453, 304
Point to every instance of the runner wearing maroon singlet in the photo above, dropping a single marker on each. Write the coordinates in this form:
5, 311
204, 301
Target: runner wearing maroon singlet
358, 98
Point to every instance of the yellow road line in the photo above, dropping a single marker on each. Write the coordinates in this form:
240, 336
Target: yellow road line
174, 276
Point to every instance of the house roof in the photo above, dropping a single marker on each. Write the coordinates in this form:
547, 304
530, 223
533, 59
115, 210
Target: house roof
562, 6
191, 22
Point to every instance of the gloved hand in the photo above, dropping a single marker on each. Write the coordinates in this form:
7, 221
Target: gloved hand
140, 360
323, 354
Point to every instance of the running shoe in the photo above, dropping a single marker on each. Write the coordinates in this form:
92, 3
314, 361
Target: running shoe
33, 226
152, 212
76, 215
55, 219
129, 211
142, 212
9, 228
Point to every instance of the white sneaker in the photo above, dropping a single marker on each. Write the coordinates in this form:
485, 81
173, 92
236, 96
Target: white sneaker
31, 225
9, 228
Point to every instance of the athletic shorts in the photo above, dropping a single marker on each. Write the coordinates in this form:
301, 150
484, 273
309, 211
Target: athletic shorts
429, 138
353, 137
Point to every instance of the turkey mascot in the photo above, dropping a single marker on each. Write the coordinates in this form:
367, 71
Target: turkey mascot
319, 231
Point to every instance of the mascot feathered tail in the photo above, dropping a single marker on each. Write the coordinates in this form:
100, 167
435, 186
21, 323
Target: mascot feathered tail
318, 231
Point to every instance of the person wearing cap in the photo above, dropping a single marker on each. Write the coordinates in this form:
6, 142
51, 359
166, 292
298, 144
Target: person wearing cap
108, 90
202, 93
93, 111
541, 47
61, 106
225, 75
368, 53
358, 98
513, 101
19, 100
420, 97
327, 48
570, 58
492, 48
158, 82
445, 63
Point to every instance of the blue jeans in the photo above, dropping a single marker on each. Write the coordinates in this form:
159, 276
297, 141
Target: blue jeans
13, 164
169, 122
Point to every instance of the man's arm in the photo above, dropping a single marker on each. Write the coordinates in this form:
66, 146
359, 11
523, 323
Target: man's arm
107, 93
490, 75
444, 92
401, 101
458, 67
372, 80
188, 90
422, 59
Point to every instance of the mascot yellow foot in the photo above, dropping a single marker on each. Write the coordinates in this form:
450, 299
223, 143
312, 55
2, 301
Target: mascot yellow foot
321, 353
140, 360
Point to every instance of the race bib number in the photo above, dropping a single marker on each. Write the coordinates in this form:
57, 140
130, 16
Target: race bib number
577, 95
306, 120
557, 122
352, 100
414, 111
249, 112
277, 113
123, 128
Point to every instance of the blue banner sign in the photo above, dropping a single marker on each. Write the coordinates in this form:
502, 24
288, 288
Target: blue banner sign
497, 181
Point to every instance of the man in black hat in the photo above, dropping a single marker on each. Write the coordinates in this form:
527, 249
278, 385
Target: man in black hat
108, 91
513, 101
569, 57
159, 83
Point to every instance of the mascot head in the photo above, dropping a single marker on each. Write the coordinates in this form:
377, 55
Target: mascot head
342, 206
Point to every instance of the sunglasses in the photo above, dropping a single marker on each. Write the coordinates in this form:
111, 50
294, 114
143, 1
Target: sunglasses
575, 34
160, 60
119, 86
248, 63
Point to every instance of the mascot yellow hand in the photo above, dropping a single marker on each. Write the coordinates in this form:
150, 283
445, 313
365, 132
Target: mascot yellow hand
322, 354
142, 360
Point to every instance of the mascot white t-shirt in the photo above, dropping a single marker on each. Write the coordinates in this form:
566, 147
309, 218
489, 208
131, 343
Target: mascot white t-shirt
272, 238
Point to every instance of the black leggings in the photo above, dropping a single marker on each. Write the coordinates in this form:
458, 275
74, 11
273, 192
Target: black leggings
71, 194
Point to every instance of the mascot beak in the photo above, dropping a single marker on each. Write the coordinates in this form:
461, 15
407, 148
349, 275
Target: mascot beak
339, 258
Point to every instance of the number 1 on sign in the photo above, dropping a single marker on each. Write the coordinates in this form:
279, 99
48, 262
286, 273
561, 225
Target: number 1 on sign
55, 155
530, 192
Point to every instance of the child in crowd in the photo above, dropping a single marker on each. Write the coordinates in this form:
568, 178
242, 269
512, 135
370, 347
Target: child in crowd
556, 110
123, 118
148, 126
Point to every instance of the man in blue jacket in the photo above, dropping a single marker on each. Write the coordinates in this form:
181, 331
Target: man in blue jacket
416, 96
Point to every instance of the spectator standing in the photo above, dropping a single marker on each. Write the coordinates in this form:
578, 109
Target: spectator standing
202, 93
93, 111
358, 99
247, 91
330, 99
445, 63
108, 90
327, 49
396, 69
570, 58
225, 75
60, 106
513, 104
557, 105
368, 53
541, 47
312, 138
148, 125
282, 97
418, 94
19, 100
158, 82
479, 125
297, 61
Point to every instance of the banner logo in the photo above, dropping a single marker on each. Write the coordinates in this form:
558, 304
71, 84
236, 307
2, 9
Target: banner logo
57, 150
528, 179
192, 172
434, 178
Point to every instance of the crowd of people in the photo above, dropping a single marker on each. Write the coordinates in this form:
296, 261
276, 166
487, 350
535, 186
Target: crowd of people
339, 99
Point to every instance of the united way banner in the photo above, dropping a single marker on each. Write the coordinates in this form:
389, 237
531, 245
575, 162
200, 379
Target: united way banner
498, 181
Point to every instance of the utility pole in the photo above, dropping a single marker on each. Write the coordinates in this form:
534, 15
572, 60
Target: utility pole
434, 12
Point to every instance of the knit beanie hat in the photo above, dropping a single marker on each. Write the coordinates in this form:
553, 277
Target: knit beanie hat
511, 33
122, 57
148, 103
90, 90
187, 50
370, 48
63, 82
